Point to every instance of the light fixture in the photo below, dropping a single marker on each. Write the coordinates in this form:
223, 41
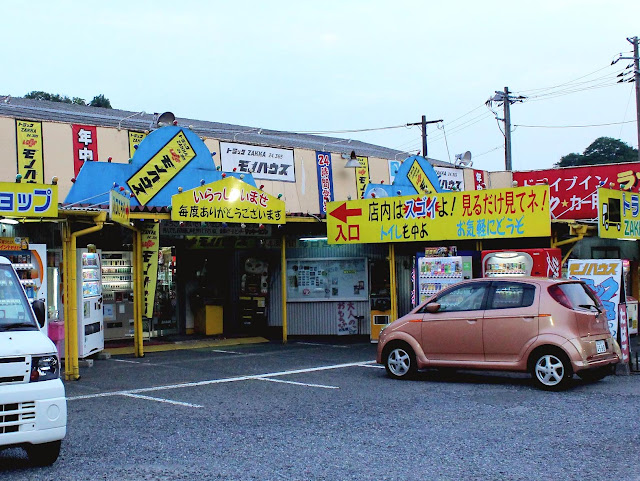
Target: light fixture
8, 221
313, 239
353, 161
345, 156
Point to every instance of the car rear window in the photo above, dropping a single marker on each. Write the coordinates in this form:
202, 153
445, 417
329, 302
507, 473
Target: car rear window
573, 295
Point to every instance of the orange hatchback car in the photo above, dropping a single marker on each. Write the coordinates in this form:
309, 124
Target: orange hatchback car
551, 328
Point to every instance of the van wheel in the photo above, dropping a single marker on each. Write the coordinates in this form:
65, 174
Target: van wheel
551, 370
400, 361
43, 454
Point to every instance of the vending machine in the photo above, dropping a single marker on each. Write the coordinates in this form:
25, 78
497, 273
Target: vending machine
437, 273
525, 262
90, 316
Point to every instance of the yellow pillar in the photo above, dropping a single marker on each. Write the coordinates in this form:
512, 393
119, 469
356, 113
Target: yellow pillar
66, 290
139, 349
393, 292
283, 279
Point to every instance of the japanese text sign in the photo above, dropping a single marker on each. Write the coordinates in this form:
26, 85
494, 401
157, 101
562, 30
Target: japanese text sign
325, 180
161, 168
418, 178
262, 162
150, 246
14, 243
362, 176
489, 214
30, 157
134, 139
618, 214
119, 208
227, 200
85, 146
604, 277
28, 200
573, 189
480, 179
450, 178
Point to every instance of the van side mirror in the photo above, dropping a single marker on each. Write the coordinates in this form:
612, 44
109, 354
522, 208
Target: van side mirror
433, 307
40, 311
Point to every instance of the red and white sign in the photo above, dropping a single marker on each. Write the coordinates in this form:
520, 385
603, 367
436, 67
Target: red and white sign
574, 189
624, 333
85, 146
479, 179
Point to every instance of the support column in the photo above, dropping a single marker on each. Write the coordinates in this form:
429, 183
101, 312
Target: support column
283, 280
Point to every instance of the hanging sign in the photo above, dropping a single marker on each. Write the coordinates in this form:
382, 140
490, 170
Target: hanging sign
85, 146
161, 168
604, 277
480, 179
419, 179
14, 243
325, 180
491, 214
574, 189
362, 176
134, 139
28, 200
150, 245
119, 207
227, 200
618, 214
262, 162
624, 332
30, 156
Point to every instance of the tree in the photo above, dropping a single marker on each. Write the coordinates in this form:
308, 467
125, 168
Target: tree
98, 100
603, 150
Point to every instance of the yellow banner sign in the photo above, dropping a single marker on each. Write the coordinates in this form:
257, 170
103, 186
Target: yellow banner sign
487, 214
227, 200
119, 207
14, 244
150, 232
618, 214
30, 159
161, 168
134, 139
419, 179
28, 200
362, 176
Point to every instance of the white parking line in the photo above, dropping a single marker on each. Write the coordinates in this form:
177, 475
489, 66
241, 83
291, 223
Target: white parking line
168, 401
375, 366
320, 344
225, 352
297, 383
129, 362
218, 381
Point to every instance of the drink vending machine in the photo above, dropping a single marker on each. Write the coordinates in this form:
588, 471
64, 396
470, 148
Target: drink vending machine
545, 262
90, 316
436, 273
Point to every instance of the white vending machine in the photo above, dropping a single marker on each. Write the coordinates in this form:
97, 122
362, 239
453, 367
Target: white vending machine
90, 317
437, 273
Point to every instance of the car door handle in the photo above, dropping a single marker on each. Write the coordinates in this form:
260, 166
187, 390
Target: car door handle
528, 318
472, 321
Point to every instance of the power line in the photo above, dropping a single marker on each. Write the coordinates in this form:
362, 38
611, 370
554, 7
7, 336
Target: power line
573, 126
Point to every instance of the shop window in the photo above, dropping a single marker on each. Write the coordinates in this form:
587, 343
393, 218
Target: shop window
511, 295
605, 252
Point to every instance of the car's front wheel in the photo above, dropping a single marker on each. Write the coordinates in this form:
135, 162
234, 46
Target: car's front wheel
551, 370
400, 361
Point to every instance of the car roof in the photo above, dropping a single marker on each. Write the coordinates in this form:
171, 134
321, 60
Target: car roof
539, 280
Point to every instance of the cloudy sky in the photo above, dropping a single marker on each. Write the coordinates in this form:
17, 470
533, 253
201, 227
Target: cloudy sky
336, 66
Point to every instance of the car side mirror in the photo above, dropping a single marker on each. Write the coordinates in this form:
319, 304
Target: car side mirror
433, 307
40, 311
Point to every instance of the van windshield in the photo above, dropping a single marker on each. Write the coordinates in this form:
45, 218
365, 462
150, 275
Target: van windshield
15, 313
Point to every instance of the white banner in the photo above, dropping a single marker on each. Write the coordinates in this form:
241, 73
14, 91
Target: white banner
604, 277
450, 178
263, 162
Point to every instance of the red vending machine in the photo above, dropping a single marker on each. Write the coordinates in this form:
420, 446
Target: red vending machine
524, 262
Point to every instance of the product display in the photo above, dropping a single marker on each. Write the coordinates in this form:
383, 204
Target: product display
437, 273
90, 318
117, 284
526, 262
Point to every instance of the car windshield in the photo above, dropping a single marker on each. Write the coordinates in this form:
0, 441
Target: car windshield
15, 313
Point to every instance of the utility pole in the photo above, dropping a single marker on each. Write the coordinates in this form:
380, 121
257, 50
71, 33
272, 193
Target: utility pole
503, 96
636, 79
424, 132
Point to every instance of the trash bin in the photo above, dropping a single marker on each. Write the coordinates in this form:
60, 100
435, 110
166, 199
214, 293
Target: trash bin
56, 334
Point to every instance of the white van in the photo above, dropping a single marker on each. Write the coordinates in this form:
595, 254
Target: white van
33, 407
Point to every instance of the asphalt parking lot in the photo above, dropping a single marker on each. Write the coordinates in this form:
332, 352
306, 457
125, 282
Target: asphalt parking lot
326, 411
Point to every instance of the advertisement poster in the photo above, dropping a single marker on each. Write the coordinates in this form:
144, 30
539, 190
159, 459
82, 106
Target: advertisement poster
450, 178
340, 279
347, 319
119, 208
161, 168
419, 179
85, 146
604, 277
227, 200
29, 148
134, 139
618, 214
574, 189
150, 244
480, 179
262, 162
14, 243
362, 176
490, 214
325, 180
28, 200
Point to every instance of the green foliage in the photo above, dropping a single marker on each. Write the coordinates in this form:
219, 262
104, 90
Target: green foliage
98, 100
603, 150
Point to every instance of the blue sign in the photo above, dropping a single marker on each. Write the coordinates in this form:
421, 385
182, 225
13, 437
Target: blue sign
325, 180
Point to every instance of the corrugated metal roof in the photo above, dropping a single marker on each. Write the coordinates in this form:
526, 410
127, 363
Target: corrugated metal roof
43, 110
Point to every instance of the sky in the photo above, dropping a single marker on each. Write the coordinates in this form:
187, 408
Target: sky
340, 68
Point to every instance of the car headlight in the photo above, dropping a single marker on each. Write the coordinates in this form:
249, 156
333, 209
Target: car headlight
44, 368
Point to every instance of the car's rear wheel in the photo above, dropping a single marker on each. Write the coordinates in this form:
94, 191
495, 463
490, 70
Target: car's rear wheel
593, 375
400, 361
551, 370
43, 454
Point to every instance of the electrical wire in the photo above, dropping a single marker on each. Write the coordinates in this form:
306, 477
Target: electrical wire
573, 126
